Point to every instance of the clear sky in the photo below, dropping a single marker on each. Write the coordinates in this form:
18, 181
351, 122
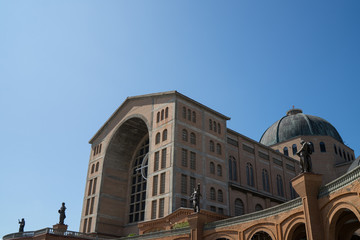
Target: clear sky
65, 66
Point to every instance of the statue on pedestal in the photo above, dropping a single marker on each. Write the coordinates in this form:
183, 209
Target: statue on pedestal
195, 198
21, 225
62, 213
304, 154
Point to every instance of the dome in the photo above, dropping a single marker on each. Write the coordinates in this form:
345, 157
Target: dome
295, 124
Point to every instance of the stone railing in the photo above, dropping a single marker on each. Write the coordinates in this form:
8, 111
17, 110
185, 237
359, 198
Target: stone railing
339, 182
160, 234
48, 231
255, 215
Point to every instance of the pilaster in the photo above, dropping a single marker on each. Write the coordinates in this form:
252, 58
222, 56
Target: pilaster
307, 186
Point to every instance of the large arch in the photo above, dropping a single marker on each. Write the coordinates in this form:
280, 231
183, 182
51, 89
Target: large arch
262, 235
118, 167
264, 231
296, 229
343, 222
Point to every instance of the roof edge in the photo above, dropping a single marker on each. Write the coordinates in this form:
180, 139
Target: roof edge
176, 93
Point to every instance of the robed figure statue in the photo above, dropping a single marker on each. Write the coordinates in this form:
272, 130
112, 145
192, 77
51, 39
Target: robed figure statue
62, 213
21, 225
195, 198
304, 154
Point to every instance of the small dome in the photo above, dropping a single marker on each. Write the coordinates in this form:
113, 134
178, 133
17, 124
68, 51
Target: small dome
295, 124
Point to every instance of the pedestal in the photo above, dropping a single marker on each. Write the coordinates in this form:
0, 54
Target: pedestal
60, 228
307, 186
196, 223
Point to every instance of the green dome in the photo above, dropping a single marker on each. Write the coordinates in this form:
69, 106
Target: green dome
295, 124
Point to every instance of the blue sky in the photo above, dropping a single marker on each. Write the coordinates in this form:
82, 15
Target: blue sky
65, 66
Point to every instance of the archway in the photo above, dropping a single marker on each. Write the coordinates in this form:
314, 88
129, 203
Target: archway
298, 232
123, 187
261, 236
346, 225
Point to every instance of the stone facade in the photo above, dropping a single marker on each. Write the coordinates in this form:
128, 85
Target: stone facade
183, 143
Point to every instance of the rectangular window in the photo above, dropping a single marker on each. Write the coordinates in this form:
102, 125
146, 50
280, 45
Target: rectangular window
84, 226
90, 187
162, 183
192, 184
183, 202
163, 158
92, 205
161, 207
193, 160
213, 208
89, 225
156, 161
155, 185
183, 184
184, 158
221, 210
94, 187
87, 207
153, 209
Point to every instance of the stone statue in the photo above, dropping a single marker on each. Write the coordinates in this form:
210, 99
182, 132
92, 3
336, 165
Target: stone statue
195, 198
62, 213
304, 154
22, 225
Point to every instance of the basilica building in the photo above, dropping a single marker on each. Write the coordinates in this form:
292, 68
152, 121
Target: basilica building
151, 153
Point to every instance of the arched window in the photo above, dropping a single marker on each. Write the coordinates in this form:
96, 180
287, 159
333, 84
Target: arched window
280, 187
335, 149
162, 114
312, 147
352, 157
212, 168
219, 128
210, 124
158, 117
292, 192
214, 126
220, 196
322, 147
97, 167
348, 156
184, 135
294, 149
93, 168
219, 170
232, 168
157, 138
258, 207
218, 148
344, 154
265, 180
212, 194
286, 151
166, 112
189, 114
249, 175
184, 112
239, 207
164, 135
138, 184
193, 138
340, 152
212, 147
194, 116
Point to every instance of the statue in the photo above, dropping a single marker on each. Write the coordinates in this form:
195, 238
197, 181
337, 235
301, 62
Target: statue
304, 154
195, 198
62, 213
22, 225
